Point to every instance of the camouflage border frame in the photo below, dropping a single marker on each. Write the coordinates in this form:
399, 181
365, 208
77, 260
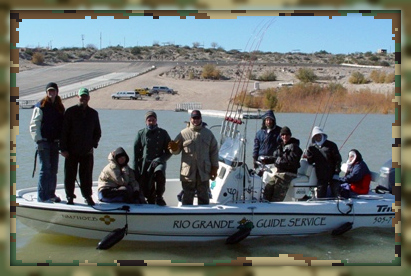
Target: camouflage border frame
17, 16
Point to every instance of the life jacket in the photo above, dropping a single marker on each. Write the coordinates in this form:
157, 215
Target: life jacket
362, 187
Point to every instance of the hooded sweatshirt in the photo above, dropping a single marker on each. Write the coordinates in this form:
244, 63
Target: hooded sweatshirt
115, 175
325, 155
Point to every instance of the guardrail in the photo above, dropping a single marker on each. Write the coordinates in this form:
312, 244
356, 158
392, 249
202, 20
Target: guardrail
30, 104
187, 106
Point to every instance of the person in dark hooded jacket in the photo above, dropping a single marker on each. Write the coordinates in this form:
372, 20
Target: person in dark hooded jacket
267, 138
287, 161
150, 159
117, 182
357, 178
326, 156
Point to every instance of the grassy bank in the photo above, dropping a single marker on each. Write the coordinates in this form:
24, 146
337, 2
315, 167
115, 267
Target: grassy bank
313, 98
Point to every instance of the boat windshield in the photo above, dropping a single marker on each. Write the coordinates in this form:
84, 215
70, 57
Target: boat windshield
231, 151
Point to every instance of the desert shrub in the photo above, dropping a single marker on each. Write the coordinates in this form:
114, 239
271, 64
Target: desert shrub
374, 58
191, 75
135, 51
337, 88
270, 99
210, 72
268, 76
389, 78
37, 58
380, 77
306, 75
357, 78
252, 76
63, 56
384, 63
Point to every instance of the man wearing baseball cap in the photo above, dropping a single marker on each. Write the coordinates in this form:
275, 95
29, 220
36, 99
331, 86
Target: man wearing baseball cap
81, 133
199, 159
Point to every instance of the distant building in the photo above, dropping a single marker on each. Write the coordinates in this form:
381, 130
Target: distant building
382, 51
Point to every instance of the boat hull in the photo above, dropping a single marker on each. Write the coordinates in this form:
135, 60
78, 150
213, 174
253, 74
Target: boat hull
203, 223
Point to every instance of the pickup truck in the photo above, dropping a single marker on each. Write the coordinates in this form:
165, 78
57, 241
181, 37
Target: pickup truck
143, 91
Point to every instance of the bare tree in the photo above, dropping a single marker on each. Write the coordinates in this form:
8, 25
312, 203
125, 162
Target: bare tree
196, 44
214, 45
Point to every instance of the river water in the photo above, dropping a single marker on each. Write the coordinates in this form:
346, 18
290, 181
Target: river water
119, 127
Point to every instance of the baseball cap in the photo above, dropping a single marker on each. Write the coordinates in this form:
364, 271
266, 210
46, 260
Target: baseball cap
195, 113
83, 91
52, 85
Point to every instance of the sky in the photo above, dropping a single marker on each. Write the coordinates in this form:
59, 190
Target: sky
306, 34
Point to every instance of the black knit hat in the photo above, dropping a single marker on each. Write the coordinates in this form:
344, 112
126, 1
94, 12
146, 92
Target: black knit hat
52, 85
285, 130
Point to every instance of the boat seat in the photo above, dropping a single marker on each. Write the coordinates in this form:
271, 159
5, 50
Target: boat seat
303, 174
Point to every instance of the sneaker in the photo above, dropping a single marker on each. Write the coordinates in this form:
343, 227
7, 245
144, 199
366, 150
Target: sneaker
89, 201
55, 199
160, 201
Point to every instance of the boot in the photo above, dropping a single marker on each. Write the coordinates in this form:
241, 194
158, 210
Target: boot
160, 188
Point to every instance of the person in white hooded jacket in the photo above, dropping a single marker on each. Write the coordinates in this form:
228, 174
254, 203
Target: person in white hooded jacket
327, 159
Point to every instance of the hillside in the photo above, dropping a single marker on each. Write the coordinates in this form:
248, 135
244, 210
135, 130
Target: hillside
49, 57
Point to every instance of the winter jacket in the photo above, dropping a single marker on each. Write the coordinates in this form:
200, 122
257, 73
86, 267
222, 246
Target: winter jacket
359, 177
287, 156
199, 152
46, 122
113, 175
151, 145
326, 157
81, 130
266, 141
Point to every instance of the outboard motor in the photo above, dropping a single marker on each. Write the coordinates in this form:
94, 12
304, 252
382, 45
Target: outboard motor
387, 176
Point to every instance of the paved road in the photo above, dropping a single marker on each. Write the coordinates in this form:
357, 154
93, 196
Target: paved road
71, 76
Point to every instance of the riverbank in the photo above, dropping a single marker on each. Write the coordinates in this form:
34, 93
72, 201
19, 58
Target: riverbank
210, 94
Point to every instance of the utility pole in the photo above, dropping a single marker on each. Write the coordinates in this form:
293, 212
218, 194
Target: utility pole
82, 39
100, 40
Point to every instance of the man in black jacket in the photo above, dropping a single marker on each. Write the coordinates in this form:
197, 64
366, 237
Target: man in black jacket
81, 133
287, 161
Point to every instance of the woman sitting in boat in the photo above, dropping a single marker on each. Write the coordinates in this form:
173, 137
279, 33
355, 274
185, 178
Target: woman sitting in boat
357, 179
117, 182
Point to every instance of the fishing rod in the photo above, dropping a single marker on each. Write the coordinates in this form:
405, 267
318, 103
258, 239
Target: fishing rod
315, 119
353, 130
231, 121
329, 109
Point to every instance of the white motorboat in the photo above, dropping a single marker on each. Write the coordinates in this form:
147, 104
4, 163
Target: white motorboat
236, 210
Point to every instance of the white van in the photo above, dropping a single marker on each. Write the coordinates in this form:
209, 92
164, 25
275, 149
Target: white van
132, 95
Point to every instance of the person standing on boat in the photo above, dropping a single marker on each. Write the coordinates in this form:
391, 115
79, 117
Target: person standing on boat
117, 182
150, 159
81, 133
327, 159
287, 161
357, 178
45, 129
267, 138
199, 159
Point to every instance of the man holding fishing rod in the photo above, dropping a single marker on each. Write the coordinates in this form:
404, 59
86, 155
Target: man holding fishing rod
326, 156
